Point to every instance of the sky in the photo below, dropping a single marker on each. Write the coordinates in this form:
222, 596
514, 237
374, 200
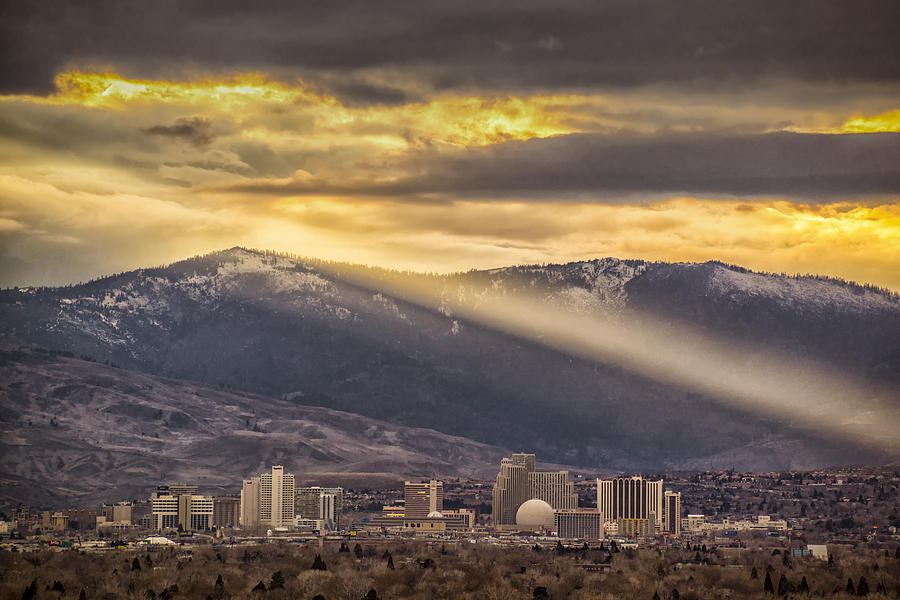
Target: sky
442, 136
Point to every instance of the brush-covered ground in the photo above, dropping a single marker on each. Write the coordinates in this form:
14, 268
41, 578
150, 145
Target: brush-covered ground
423, 569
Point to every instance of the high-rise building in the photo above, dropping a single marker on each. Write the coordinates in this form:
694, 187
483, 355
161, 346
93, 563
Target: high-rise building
554, 488
318, 503
249, 509
512, 487
189, 511
422, 499
226, 511
631, 498
672, 512
268, 500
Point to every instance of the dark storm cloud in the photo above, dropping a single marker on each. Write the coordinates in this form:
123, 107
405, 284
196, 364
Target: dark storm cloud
194, 130
355, 92
467, 43
821, 166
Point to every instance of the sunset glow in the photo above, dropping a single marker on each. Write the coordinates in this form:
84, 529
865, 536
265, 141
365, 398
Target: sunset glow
387, 167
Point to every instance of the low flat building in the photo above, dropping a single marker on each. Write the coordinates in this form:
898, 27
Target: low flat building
636, 527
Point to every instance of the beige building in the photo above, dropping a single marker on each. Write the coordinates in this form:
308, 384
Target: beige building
518, 482
582, 524
512, 487
59, 521
226, 511
422, 499
554, 488
636, 527
318, 503
631, 498
268, 500
672, 513
190, 512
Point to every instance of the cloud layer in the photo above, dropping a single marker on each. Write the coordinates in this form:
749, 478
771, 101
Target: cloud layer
451, 135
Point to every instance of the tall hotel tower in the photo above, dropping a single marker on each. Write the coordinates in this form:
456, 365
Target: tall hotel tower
672, 512
631, 498
268, 499
554, 488
422, 499
512, 487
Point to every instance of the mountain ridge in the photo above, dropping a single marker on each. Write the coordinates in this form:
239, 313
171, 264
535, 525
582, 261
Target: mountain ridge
319, 334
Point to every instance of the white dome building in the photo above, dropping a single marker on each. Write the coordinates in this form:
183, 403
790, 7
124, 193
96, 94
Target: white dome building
535, 514
435, 514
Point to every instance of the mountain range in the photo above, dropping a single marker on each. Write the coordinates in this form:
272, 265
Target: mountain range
280, 334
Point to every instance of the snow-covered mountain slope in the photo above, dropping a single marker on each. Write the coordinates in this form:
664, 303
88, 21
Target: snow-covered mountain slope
311, 332
79, 432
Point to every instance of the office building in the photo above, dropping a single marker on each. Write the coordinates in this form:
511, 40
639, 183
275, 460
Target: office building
318, 503
672, 513
422, 499
631, 498
59, 521
176, 489
117, 513
628, 527
582, 524
226, 511
512, 487
249, 509
268, 500
189, 512
554, 488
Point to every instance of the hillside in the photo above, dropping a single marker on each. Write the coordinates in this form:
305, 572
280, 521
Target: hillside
73, 432
349, 338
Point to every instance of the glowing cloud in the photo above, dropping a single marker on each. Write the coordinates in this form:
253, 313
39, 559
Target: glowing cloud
889, 121
449, 119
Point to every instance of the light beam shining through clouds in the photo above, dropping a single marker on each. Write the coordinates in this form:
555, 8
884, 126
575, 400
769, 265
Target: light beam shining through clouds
806, 394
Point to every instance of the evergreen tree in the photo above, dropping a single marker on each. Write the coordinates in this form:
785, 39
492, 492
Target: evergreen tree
785, 586
767, 584
277, 582
851, 589
862, 588
358, 551
675, 594
318, 564
219, 591
260, 587
804, 586
371, 595
58, 587
390, 562
82, 595
31, 591
135, 564
754, 574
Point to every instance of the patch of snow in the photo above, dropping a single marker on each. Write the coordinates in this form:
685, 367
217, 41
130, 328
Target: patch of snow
802, 290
